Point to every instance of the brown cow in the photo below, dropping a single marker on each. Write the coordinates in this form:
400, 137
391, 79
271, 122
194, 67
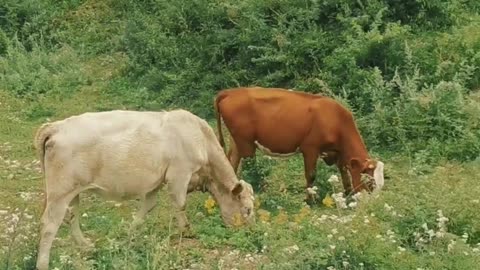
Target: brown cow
284, 122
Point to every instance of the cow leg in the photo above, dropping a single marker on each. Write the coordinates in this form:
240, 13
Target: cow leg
239, 150
75, 224
346, 180
310, 165
234, 155
148, 202
51, 220
178, 188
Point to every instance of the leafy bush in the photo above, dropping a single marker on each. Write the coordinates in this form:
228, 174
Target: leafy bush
35, 73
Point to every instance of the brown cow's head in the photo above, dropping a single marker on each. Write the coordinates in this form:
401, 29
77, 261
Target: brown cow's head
369, 168
237, 207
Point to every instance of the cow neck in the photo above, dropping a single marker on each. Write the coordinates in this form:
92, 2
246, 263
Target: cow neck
222, 171
353, 146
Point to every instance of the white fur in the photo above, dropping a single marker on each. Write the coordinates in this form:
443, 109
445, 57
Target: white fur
129, 154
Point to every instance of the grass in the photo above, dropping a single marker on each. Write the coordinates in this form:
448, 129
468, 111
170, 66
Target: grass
382, 232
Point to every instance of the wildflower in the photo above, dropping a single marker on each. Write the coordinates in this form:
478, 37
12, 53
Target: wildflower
329, 236
402, 249
465, 237
85, 215
328, 201
465, 253
475, 249
237, 220
431, 253
334, 231
312, 190
281, 218
451, 245
352, 204
357, 196
332, 247
291, 249
209, 204
256, 203
65, 259
345, 264
366, 221
339, 200
341, 238
304, 212
333, 179
387, 207
263, 215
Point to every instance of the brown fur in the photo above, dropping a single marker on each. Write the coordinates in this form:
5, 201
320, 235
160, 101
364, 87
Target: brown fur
289, 121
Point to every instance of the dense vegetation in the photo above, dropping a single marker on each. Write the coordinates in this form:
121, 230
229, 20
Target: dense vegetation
409, 70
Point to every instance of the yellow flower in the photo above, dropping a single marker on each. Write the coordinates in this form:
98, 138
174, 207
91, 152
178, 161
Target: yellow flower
304, 212
210, 205
237, 220
256, 203
328, 201
263, 215
281, 218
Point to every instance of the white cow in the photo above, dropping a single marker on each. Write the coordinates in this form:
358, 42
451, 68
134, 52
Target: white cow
128, 154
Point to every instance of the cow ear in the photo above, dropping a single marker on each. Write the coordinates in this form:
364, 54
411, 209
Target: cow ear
237, 189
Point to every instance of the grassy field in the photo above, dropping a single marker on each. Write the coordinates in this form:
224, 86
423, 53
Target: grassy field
425, 218
411, 78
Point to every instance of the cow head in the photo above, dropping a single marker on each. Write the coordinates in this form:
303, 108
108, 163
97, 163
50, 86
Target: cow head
237, 207
370, 169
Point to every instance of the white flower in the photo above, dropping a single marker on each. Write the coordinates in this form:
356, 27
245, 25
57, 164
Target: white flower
339, 200
352, 204
329, 236
451, 245
291, 249
332, 247
333, 179
357, 196
402, 249
312, 190
387, 207
85, 215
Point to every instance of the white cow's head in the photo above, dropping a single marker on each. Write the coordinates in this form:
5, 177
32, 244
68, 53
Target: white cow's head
237, 207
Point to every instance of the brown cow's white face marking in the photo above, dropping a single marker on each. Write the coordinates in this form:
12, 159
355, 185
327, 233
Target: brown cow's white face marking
268, 152
378, 175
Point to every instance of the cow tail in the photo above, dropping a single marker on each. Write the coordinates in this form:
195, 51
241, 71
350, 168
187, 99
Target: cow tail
219, 121
44, 132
